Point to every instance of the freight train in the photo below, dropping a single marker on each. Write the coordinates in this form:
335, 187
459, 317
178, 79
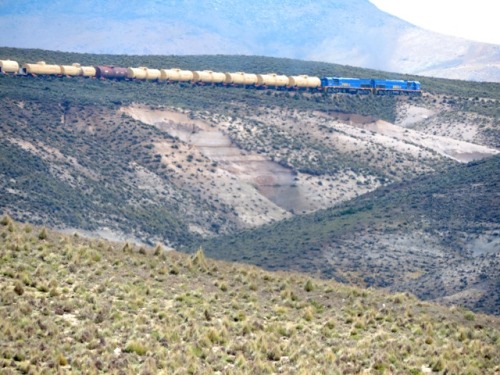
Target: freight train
237, 79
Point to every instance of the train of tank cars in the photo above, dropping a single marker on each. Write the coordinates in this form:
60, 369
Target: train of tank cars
239, 79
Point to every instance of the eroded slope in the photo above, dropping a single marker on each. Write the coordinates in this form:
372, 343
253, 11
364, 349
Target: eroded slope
223, 172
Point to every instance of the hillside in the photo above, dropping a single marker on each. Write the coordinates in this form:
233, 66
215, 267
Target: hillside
74, 305
178, 164
436, 236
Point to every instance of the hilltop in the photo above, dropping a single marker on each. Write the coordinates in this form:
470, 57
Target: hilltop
72, 304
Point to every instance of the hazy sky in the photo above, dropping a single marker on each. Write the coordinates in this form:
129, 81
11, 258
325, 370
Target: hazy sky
471, 19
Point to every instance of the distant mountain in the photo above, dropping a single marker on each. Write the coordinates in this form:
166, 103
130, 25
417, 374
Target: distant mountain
352, 32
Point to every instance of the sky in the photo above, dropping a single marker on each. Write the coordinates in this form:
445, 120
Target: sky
476, 20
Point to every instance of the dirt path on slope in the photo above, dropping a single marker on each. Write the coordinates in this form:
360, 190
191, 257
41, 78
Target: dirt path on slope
259, 189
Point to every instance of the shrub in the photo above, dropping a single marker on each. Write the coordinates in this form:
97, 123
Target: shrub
216, 336
158, 250
223, 287
309, 287
308, 314
438, 365
135, 347
43, 288
61, 360
469, 315
6, 220
43, 234
127, 248
199, 260
174, 270
18, 288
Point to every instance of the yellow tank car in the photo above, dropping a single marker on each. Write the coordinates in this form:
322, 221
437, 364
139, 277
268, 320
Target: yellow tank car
41, 68
207, 76
176, 74
88, 71
137, 73
241, 78
304, 81
218, 77
272, 79
153, 74
71, 70
202, 76
8, 66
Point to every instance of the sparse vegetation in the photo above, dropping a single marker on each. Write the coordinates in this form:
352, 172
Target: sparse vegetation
121, 314
75, 153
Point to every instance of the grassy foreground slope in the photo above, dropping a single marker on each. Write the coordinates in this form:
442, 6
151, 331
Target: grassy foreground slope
74, 305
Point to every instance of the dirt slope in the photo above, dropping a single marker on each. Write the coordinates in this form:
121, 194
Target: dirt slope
264, 182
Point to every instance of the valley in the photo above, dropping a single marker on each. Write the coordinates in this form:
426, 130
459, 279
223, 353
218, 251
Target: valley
387, 192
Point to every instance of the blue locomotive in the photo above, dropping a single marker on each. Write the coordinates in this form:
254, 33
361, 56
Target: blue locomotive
370, 86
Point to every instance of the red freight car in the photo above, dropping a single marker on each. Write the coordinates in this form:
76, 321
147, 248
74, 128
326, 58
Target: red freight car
109, 71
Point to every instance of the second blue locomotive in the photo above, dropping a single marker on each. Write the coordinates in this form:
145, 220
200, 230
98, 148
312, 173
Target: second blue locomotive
370, 86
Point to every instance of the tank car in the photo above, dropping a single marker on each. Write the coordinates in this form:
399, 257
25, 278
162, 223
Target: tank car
272, 80
241, 79
73, 70
176, 75
88, 71
41, 68
304, 82
9, 66
111, 72
137, 73
153, 74
207, 76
